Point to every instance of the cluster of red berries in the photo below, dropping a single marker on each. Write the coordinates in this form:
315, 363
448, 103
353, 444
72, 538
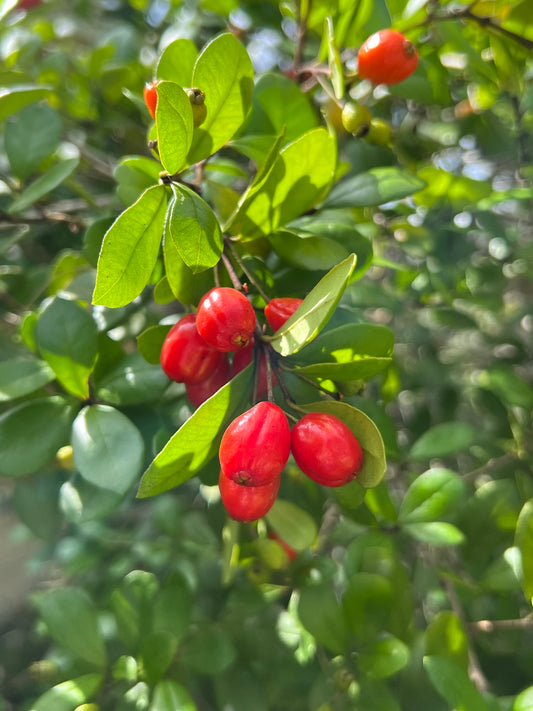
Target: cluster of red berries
256, 446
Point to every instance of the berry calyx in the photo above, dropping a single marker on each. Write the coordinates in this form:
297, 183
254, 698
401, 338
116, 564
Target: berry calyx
225, 319
256, 445
326, 449
243, 357
150, 96
279, 310
185, 356
387, 57
199, 109
356, 119
198, 393
247, 503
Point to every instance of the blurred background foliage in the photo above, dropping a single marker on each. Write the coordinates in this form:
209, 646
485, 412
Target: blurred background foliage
416, 596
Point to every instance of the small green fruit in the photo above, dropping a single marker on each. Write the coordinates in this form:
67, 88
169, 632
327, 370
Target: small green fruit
199, 110
379, 132
356, 119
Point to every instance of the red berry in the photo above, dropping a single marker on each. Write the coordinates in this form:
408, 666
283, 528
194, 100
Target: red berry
277, 311
185, 356
247, 503
225, 319
198, 393
243, 357
28, 4
255, 447
326, 449
387, 57
150, 96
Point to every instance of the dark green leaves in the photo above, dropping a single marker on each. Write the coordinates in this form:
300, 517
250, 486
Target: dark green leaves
17, 96
315, 311
44, 184
196, 442
174, 125
375, 187
441, 440
454, 685
130, 248
524, 541
432, 495
108, 449
323, 616
30, 137
224, 72
22, 377
191, 230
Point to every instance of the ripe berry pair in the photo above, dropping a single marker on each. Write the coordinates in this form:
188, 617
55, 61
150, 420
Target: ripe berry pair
256, 446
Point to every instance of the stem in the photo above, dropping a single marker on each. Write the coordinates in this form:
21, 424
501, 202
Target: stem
231, 272
523, 623
302, 31
230, 554
249, 276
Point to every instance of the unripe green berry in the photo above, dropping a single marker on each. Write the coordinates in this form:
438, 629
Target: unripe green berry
379, 132
356, 119
199, 109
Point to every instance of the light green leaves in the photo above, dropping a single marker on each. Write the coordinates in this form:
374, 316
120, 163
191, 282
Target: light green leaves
292, 524
454, 685
375, 187
177, 62
17, 96
108, 449
66, 338
196, 442
225, 73
68, 695
130, 248
44, 184
315, 310
191, 230
374, 462
169, 696
441, 440
432, 495
174, 121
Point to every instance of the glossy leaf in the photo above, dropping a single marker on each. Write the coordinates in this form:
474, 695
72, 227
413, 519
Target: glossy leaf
322, 616
132, 381
524, 700
197, 440
174, 121
72, 622
453, 684
66, 338
384, 658
435, 533
108, 449
157, 650
44, 184
375, 187
169, 696
192, 230
31, 434
441, 440
445, 637
524, 541
22, 377
68, 695
368, 435
183, 284
432, 495
30, 137
225, 73
315, 310
130, 248
17, 96
134, 175
177, 62
151, 341
292, 524
307, 251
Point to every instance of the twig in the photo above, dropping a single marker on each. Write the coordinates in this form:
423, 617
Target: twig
249, 275
302, 31
522, 623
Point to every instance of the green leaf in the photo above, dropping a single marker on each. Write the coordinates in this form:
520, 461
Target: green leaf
334, 60
453, 684
32, 136
209, 651
225, 73
174, 121
192, 230
197, 440
292, 524
299, 178
68, 695
22, 377
322, 616
72, 622
441, 440
307, 251
35, 501
157, 651
524, 700
31, 434
134, 174
435, 533
524, 541
177, 62
184, 285
384, 658
432, 495
508, 386
17, 96
44, 184
132, 381
375, 187
151, 341
315, 310
132, 603
172, 608
368, 435
170, 696
108, 449
446, 638
368, 601
130, 248
66, 338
